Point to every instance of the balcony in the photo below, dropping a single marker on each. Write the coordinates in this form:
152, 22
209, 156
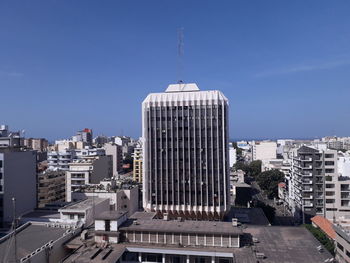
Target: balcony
309, 159
307, 167
307, 174
309, 189
308, 205
308, 197
307, 182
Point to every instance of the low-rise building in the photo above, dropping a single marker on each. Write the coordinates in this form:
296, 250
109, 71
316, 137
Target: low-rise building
122, 196
325, 225
107, 226
84, 211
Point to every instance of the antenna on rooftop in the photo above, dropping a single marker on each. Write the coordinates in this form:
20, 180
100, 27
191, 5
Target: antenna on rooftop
180, 53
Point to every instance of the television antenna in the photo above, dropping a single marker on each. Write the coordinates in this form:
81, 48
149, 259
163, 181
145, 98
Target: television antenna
180, 53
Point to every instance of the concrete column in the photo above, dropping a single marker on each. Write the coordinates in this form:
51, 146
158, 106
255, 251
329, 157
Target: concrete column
140, 257
212, 259
163, 258
187, 259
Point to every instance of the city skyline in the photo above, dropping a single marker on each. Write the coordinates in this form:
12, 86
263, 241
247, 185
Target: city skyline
284, 80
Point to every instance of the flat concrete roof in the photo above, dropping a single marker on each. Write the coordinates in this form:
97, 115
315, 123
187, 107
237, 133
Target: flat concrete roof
287, 244
187, 226
143, 215
92, 254
42, 214
30, 238
82, 205
111, 215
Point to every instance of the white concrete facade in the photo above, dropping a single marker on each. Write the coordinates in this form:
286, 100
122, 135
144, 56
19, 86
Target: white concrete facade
185, 157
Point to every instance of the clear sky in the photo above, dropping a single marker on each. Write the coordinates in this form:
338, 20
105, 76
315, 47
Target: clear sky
70, 64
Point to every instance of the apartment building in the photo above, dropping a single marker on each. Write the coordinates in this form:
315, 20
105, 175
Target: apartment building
84, 135
137, 165
37, 144
87, 170
312, 182
60, 160
186, 163
51, 187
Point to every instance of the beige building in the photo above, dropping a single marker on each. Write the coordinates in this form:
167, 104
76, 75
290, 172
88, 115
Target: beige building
342, 244
87, 170
51, 187
137, 172
264, 150
37, 144
63, 145
117, 156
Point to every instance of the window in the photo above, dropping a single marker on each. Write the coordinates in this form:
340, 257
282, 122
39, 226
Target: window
71, 216
340, 247
0, 163
107, 225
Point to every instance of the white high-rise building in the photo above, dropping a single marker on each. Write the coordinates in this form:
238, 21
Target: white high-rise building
185, 157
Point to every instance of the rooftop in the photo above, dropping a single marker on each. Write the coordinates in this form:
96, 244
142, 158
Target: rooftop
175, 226
325, 225
186, 93
143, 215
84, 204
29, 238
181, 87
287, 244
111, 215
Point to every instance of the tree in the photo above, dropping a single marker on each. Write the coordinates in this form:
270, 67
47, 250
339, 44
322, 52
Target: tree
322, 238
255, 168
241, 166
238, 150
268, 181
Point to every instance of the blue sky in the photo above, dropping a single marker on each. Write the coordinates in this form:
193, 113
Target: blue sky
70, 64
